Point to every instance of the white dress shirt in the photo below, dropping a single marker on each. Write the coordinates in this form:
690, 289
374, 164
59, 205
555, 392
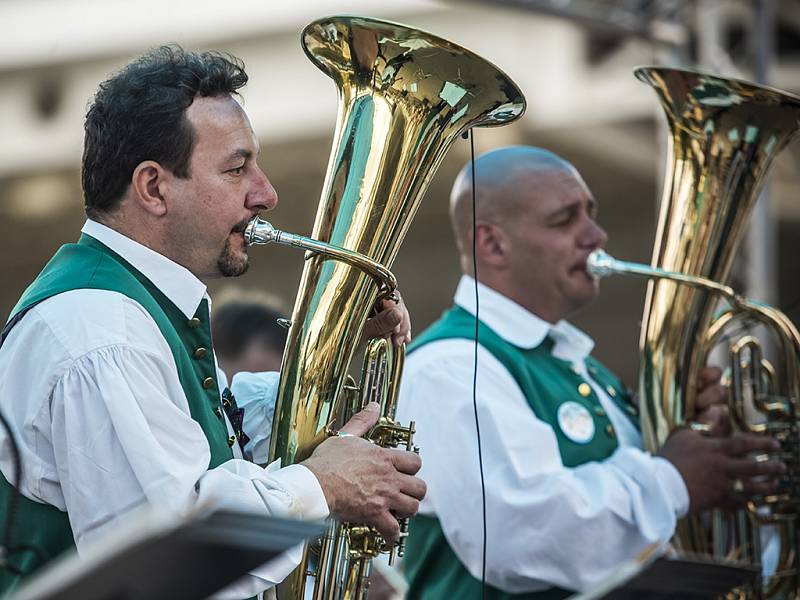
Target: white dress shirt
547, 525
91, 388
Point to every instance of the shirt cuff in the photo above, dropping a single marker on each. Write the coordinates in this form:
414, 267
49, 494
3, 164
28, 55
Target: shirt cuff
673, 484
309, 499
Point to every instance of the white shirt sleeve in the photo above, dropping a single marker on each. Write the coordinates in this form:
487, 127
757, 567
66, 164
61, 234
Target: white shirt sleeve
116, 426
546, 524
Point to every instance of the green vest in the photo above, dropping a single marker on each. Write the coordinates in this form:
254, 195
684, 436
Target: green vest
91, 265
432, 568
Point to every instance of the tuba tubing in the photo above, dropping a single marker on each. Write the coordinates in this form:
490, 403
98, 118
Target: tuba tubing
724, 135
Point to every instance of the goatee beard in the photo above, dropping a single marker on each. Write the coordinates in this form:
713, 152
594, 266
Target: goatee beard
230, 265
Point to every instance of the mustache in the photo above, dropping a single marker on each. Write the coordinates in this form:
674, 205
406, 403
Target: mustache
241, 226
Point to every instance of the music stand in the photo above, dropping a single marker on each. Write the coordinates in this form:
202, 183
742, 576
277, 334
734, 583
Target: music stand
654, 576
151, 556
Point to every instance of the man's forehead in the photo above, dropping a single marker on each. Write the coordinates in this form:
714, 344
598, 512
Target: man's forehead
218, 117
547, 192
551, 179
221, 113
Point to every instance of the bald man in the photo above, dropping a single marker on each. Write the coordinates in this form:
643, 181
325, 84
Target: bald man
569, 492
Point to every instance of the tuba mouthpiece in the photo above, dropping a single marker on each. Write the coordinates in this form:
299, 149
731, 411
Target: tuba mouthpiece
259, 231
600, 264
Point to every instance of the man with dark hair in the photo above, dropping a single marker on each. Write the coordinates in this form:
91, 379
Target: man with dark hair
569, 493
108, 373
247, 334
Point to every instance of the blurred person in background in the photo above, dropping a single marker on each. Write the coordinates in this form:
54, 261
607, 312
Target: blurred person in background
570, 494
107, 368
246, 332
248, 343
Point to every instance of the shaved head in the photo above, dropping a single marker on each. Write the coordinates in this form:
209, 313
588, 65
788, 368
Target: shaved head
534, 228
499, 174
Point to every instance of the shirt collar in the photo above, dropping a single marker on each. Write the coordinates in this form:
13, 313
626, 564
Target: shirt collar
519, 326
176, 282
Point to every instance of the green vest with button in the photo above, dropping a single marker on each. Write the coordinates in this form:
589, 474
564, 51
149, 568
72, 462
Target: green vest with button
89, 264
432, 568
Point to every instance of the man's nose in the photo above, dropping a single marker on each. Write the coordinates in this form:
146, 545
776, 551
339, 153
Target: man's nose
262, 195
594, 236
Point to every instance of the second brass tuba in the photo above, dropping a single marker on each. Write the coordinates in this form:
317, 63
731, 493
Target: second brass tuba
724, 136
404, 97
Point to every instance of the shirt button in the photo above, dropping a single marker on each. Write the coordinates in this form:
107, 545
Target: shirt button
193, 322
576, 369
231, 441
599, 411
610, 430
611, 391
584, 389
208, 382
200, 352
218, 412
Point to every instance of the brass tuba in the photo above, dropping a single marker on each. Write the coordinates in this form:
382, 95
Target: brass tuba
724, 135
404, 97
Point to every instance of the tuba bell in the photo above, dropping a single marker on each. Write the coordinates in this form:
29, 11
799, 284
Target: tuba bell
724, 134
404, 97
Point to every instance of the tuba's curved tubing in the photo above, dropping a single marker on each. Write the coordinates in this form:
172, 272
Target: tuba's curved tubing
260, 232
601, 264
723, 137
782, 423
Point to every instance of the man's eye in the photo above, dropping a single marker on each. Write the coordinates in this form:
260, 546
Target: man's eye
236, 170
564, 221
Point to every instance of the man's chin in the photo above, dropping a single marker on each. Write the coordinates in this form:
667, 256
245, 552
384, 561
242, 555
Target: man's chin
230, 266
236, 272
584, 294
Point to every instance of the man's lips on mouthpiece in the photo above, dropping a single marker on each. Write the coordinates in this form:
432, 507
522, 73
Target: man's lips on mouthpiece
240, 227
580, 267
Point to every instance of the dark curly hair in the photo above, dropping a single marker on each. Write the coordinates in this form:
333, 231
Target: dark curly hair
139, 114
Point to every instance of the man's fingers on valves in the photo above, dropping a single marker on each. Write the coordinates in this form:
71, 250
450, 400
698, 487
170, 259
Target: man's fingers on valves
743, 444
388, 526
405, 461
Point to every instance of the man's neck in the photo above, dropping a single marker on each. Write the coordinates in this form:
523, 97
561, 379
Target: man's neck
522, 297
140, 231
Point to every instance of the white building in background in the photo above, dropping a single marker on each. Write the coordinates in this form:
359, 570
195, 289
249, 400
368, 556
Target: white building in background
54, 52
582, 101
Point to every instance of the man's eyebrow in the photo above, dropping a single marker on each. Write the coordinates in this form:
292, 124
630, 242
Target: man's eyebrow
565, 209
240, 153
591, 206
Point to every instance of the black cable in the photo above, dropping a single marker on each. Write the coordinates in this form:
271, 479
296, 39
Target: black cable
13, 499
6, 549
475, 361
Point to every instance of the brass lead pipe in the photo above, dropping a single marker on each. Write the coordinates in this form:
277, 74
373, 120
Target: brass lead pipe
601, 264
261, 232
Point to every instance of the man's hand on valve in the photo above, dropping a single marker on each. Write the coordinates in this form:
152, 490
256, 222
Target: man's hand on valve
711, 402
391, 319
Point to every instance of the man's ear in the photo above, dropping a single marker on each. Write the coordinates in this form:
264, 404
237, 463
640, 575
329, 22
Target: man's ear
492, 244
147, 183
